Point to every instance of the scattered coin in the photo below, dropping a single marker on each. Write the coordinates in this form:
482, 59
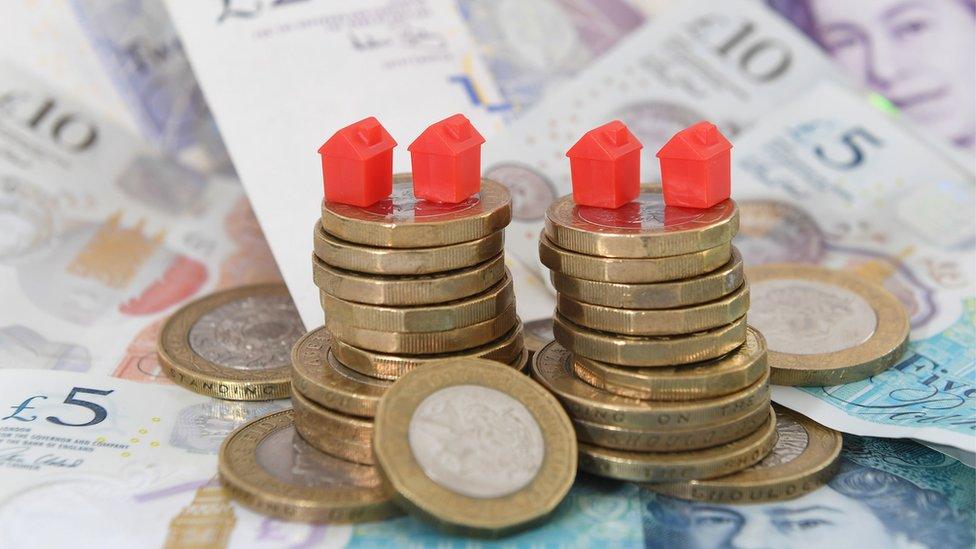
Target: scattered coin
659, 295
407, 290
336, 434
672, 466
405, 261
404, 221
319, 376
825, 327
553, 368
670, 438
685, 320
642, 228
424, 343
720, 376
475, 446
266, 466
507, 349
625, 350
631, 270
803, 459
423, 318
233, 344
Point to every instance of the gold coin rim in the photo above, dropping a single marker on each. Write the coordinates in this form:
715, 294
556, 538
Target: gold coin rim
655, 295
424, 318
873, 356
719, 376
493, 213
811, 469
251, 485
340, 425
477, 515
589, 403
656, 322
565, 230
665, 466
392, 366
187, 368
316, 377
404, 289
648, 351
405, 261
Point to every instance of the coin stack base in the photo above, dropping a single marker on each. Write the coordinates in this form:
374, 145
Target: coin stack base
652, 358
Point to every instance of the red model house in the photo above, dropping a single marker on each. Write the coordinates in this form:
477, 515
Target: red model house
446, 161
695, 166
605, 166
357, 164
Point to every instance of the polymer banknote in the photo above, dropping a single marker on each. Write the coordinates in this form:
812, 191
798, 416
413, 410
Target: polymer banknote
82, 452
101, 237
828, 179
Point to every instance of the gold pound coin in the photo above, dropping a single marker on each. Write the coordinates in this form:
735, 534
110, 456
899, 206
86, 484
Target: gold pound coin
660, 295
700, 380
674, 466
233, 344
631, 270
404, 221
522, 362
320, 377
423, 318
671, 439
425, 343
474, 446
644, 227
405, 261
267, 467
623, 350
656, 322
341, 426
825, 327
407, 290
803, 459
553, 368
507, 349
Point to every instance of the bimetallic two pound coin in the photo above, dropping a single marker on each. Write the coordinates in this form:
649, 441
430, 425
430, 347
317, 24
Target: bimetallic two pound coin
423, 318
475, 446
700, 380
825, 327
553, 368
407, 290
659, 295
632, 270
804, 459
268, 467
405, 261
404, 221
707, 463
645, 227
319, 376
337, 434
425, 343
233, 344
624, 350
507, 349
656, 322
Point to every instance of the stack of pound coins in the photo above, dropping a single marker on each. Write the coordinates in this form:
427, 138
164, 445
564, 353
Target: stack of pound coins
403, 283
652, 357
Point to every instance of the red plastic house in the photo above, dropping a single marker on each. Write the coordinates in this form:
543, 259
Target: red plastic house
695, 166
446, 161
357, 164
605, 166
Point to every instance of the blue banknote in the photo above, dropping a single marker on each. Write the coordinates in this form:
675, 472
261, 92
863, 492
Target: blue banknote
142, 53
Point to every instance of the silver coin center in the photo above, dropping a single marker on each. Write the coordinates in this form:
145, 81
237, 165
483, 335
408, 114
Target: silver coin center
253, 333
792, 440
476, 441
288, 458
806, 317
